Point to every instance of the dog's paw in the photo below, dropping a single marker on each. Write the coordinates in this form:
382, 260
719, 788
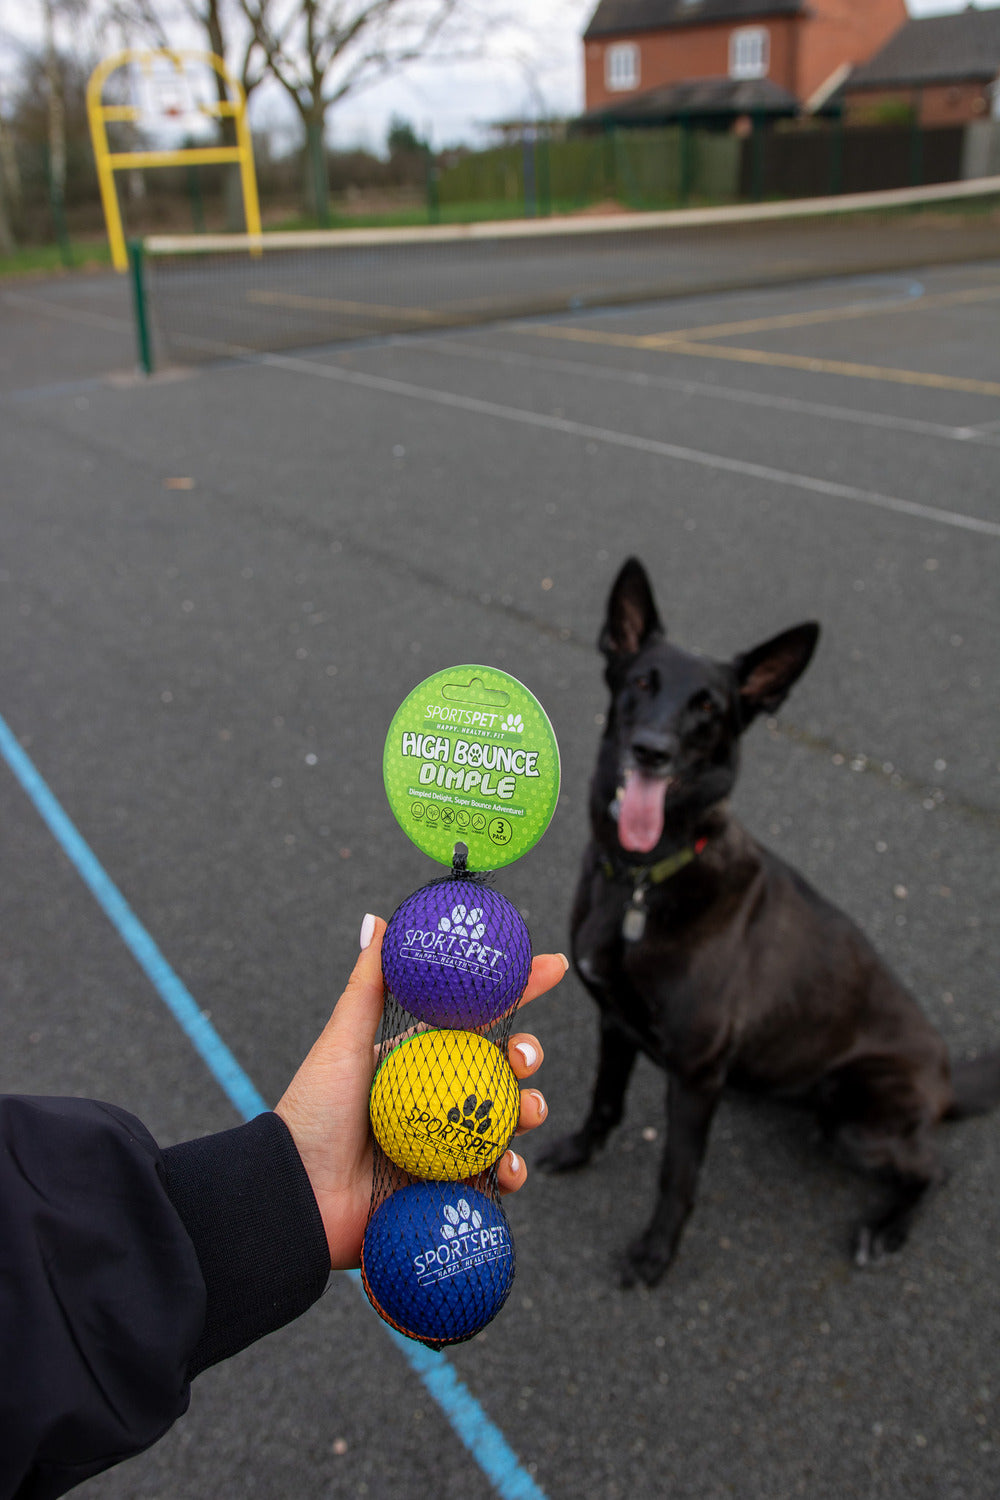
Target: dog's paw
568, 1154
644, 1263
874, 1243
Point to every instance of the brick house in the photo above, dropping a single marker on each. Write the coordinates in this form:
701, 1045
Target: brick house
944, 70
651, 61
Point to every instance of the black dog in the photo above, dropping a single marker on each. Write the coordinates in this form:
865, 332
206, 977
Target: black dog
717, 960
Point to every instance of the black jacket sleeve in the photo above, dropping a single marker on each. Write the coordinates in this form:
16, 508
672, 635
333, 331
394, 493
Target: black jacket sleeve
125, 1270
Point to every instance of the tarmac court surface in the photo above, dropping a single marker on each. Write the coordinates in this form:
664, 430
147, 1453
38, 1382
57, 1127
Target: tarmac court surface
216, 587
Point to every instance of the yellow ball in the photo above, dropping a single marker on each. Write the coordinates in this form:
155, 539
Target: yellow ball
444, 1105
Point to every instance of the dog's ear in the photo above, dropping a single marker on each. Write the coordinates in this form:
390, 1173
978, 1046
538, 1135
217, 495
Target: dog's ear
768, 672
632, 616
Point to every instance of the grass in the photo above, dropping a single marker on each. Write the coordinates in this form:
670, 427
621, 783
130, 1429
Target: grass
47, 259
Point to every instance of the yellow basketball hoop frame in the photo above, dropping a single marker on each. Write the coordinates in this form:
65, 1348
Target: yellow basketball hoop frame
109, 162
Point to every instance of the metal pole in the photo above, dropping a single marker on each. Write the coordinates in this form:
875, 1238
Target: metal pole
687, 159
544, 171
917, 141
757, 146
433, 199
837, 153
194, 194
136, 258
528, 172
58, 207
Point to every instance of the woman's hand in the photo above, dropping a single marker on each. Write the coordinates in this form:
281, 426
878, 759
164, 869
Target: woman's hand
326, 1104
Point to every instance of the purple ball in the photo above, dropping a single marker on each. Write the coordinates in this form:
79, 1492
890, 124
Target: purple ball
456, 954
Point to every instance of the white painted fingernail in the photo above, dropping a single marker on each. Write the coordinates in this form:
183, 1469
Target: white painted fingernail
543, 1108
528, 1052
367, 931
513, 1162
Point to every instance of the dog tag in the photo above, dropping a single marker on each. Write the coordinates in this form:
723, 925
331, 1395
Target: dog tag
634, 921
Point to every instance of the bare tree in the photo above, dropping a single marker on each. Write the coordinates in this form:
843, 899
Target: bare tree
56, 102
320, 51
250, 70
213, 17
10, 185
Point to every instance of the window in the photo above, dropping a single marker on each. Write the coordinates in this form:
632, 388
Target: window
621, 66
749, 53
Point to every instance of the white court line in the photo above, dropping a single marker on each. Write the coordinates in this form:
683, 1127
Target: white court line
967, 434
68, 314
783, 477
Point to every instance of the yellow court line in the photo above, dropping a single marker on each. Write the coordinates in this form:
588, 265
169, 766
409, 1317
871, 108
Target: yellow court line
585, 335
823, 315
329, 304
839, 367
765, 357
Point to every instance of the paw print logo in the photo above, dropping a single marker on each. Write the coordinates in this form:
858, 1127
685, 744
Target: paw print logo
460, 1219
465, 922
513, 724
475, 1117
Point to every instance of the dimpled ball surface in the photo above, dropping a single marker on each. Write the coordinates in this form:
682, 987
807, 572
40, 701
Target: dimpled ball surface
444, 1104
456, 953
438, 1261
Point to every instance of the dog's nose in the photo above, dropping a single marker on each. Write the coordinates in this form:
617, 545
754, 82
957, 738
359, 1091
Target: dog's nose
654, 752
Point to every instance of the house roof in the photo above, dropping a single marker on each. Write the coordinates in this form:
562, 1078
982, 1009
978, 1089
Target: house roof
615, 16
936, 49
698, 97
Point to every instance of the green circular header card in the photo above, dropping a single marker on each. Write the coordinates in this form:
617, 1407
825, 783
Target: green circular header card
471, 758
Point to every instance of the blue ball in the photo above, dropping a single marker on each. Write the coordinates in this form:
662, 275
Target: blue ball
456, 954
438, 1261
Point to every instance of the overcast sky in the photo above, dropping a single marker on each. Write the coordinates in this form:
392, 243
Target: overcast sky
536, 64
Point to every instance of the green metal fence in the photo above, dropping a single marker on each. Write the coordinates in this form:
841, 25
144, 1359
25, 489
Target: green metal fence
634, 168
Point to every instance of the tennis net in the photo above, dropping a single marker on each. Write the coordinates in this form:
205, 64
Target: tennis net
224, 296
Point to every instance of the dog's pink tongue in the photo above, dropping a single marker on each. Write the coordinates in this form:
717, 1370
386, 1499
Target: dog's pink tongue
640, 813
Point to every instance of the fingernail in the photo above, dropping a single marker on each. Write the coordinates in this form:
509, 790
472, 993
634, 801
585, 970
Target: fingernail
367, 931
543, 1108
565, 961
513, 1162
528, 1052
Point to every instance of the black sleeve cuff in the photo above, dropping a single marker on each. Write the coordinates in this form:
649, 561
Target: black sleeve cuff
247, 1204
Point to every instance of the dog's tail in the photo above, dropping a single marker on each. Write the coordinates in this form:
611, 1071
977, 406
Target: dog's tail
976, 1086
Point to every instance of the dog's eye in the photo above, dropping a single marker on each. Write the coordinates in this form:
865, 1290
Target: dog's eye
645, 683
703, 706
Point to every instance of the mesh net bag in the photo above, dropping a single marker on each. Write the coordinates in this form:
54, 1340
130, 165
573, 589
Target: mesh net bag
438, 1256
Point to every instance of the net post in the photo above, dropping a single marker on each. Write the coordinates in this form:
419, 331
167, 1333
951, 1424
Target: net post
136, 260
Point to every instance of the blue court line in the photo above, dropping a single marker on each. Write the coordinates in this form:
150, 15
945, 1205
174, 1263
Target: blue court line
484, 1440
171, 990
58, 388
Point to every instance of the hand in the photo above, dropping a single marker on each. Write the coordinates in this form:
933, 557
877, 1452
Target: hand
326, 1104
